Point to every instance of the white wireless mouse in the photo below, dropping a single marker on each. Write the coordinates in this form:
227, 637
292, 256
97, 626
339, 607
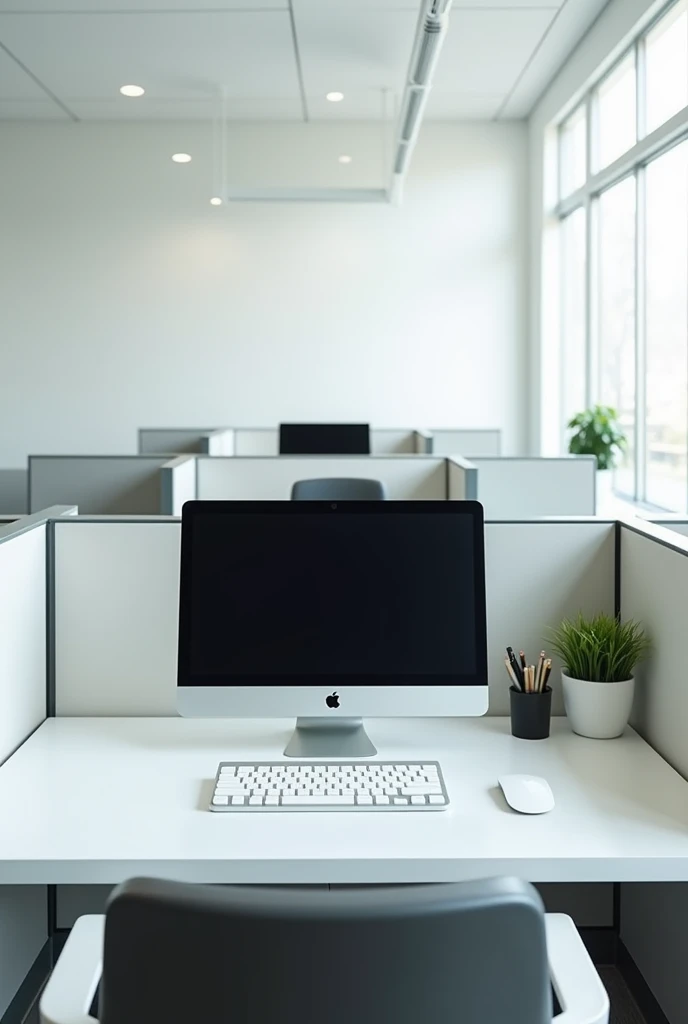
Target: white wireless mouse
528, 794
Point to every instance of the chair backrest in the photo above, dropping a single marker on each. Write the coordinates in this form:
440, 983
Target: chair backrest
464, 953
342, 489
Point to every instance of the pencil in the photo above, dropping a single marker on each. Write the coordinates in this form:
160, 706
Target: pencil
512, 674
522, 656
538, 672
548, 669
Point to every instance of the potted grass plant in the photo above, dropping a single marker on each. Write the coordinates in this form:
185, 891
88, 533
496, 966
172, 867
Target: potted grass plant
599, 656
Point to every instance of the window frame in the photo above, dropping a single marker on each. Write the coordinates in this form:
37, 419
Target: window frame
634, 162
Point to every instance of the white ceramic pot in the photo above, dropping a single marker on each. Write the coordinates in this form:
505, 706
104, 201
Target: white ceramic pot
598, 710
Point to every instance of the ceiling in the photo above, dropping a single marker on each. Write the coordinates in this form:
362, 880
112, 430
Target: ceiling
275, 59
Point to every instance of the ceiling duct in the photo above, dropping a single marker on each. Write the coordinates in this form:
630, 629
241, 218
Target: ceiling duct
430, 34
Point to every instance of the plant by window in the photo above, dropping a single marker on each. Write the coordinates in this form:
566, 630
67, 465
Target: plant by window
597, 432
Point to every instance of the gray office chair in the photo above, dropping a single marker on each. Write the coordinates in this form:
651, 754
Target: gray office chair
465, 953
343, 489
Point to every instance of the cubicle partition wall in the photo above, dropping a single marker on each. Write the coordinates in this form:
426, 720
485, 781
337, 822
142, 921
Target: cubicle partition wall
98, 484
523, 488
469, 443
23, 690
462, 479
257, 478
265, 441
185, 441
653, 570
676, 521
177, 484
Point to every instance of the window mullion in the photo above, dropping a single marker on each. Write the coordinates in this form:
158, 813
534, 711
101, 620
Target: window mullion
641, 337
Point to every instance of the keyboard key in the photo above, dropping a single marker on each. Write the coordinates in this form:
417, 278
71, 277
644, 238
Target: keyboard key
437, 800
256, 801
219, 800
422, 790
238, 800
365, 801
316, 801
272, 801
401, 800
418, 800
381, 799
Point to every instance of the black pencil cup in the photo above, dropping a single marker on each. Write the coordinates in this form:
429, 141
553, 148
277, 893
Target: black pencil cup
530, 714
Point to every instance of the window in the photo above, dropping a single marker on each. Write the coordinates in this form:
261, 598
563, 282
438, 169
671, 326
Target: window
624, 257
666, 67
573, 265
616, 113
573, 152
617, 210
667, 329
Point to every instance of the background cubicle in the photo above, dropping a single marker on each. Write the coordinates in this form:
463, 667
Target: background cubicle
470, 443
265, 441
62, 654
99, 484
413, 477
522, 488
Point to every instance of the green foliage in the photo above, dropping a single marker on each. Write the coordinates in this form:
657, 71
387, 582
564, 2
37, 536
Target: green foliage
596, 432
601, 649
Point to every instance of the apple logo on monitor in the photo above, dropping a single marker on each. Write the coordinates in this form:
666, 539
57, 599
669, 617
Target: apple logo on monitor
333, 700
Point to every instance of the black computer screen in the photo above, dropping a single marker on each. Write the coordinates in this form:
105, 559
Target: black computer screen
324, 439
370, 593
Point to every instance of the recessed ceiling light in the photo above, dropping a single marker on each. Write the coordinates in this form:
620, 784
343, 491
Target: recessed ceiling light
132, 90
335, 97
345, 159
181, 158
216, 201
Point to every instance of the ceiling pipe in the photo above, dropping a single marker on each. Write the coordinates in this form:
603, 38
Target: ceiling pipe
430, 34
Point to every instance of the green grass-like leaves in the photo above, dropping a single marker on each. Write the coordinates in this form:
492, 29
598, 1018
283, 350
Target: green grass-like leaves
601, 649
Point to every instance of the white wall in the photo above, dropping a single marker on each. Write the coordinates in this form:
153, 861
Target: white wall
606, 38
126, 299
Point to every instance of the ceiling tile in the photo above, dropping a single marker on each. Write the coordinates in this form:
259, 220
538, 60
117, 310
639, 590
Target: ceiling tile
175, 55
457, 107
278, 109
15, 83
486, 5
31, 110
566, 32
485, 51
349, 49
28, 7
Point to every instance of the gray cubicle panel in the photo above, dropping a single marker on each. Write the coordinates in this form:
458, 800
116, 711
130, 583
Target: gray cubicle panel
383, 441
23, 691
412, 477
653, 572
127, 572
13, 487
671, 521
173, 440
98, 484
522, 488
469, 443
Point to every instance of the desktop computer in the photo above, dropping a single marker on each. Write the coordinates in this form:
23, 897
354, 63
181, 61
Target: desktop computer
324, 439
330, 612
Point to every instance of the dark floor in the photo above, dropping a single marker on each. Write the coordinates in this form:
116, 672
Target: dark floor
624, 1008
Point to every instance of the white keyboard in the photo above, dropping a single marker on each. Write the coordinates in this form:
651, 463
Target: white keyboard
329, 786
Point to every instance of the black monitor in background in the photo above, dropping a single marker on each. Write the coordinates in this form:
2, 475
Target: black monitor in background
324, 439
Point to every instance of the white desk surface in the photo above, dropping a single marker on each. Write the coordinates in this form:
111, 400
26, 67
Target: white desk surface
101, 799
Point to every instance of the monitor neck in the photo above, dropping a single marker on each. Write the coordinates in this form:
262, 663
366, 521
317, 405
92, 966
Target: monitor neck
326, 737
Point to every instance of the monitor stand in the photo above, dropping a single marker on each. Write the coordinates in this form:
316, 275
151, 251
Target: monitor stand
324, 737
